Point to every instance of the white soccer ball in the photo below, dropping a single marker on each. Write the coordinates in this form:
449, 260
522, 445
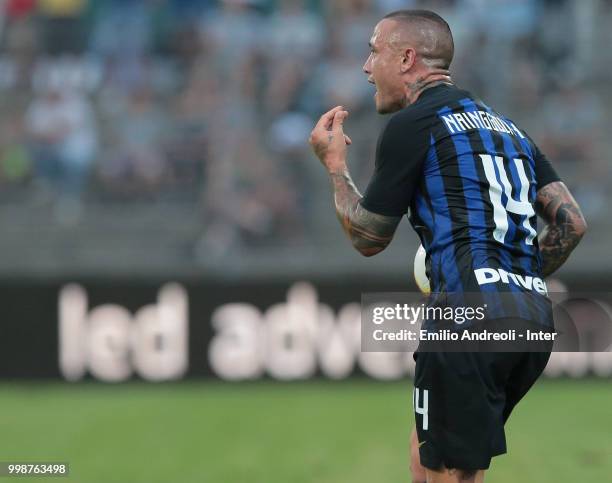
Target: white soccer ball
420, 275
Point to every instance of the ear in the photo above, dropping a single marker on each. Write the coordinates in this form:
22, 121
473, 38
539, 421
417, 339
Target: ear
408, 60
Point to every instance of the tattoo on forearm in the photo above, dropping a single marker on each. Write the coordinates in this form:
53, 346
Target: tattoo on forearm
369, 232
565, 226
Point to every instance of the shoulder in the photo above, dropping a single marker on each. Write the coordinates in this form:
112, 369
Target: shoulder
424, 112
398, 133
415, 123
409, 114
409, 127
404, 123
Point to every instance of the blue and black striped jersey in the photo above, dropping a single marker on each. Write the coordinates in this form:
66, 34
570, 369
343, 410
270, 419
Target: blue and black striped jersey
468, 177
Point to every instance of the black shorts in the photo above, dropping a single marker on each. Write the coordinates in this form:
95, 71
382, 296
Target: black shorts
462, 401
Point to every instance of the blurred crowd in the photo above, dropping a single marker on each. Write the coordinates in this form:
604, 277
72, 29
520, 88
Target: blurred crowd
210, 102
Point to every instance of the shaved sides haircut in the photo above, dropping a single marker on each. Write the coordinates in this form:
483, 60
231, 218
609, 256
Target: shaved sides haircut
431, 33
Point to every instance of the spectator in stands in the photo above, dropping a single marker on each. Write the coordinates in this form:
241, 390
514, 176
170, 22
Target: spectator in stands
122, 29
63, 138
15, 161
62, 25
231, 84
571, 129
294, 41
137, 164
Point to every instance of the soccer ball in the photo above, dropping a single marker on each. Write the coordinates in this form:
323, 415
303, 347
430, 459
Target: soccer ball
420, 276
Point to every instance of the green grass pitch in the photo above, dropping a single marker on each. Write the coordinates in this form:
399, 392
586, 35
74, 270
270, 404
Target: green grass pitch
269, 432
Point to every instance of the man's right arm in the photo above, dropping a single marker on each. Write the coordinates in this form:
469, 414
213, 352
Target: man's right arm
565, 225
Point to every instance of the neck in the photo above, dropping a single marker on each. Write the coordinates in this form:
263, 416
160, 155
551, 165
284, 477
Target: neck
426, 81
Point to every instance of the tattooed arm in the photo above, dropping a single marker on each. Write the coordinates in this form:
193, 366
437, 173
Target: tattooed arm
565, 225
370, 233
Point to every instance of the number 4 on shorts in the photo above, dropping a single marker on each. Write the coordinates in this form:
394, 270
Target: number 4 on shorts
422, 410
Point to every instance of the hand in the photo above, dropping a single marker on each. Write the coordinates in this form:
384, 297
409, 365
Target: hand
328, 140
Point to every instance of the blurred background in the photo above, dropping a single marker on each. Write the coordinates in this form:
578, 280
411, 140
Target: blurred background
163, 219
168, 136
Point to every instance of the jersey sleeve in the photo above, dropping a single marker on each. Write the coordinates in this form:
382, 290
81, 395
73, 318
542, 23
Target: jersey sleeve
545, 173
402, 147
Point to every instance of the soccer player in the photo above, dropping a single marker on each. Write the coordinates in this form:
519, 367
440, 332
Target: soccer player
472, 183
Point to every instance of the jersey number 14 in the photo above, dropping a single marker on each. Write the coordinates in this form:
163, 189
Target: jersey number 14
521, 207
